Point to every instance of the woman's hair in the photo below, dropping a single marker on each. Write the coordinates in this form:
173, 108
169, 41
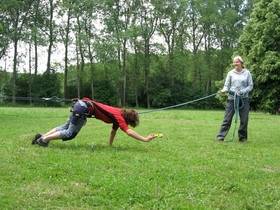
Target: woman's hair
131, 117
240, 59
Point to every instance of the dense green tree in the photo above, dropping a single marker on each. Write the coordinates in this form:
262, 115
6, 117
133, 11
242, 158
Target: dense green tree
232, 17
171, 21
4, 80
260, 44
15, 16
135, 62
49, 85
51, 30
196, 34
118, 18
64, 31
90, 37
80, 54
34, 37
4, 38
148, 23
182, 43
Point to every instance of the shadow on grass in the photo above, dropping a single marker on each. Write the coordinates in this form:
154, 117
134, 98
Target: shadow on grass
96, 147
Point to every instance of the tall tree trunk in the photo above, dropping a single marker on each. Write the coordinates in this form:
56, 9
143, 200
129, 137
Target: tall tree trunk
66, 55
81, 53
91, 73
88, 32
51, 36
148, 24
35, 57
36, 43
136, 79
120, 83
30, 75
14, 70
147, 70
78, 68
124, 72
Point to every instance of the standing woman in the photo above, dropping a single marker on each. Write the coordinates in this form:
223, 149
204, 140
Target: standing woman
239, 81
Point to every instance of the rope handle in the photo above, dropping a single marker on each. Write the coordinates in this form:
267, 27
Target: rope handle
236, 105
233, 93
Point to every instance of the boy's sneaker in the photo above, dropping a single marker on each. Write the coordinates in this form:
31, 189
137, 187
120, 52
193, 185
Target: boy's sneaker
42, 142
37, 136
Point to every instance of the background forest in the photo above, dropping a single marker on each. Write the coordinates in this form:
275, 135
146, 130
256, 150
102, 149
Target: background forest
140, 53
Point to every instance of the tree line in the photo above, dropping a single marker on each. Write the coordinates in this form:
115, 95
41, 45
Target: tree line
148, 53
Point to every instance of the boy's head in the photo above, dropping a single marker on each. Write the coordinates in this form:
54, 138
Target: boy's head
131, 117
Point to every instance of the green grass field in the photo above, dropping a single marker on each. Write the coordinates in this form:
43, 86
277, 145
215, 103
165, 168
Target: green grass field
186, 169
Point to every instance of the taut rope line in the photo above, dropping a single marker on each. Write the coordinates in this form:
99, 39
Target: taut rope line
178, 105
56, 99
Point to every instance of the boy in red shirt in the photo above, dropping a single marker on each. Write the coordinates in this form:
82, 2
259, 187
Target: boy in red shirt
120, 118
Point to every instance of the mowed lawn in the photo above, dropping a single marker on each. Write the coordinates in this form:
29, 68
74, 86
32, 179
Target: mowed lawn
186, 169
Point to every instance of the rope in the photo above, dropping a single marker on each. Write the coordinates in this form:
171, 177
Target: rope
236, 106
178, 105
54, 99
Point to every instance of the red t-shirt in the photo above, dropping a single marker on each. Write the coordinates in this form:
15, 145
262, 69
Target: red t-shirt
109, 114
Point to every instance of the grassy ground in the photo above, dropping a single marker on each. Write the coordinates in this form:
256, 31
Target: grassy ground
186, 169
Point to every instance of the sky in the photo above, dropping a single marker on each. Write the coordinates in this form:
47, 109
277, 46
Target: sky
57, 54
23, 58
57, 58
23, 54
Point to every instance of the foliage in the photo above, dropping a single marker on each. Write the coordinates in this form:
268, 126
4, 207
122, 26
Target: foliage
105, 93
186, 169
260, 44
23, 87
186, 44
48, 85
9, 88
4, 80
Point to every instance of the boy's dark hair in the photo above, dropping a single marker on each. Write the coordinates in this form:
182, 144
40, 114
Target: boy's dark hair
131, 117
